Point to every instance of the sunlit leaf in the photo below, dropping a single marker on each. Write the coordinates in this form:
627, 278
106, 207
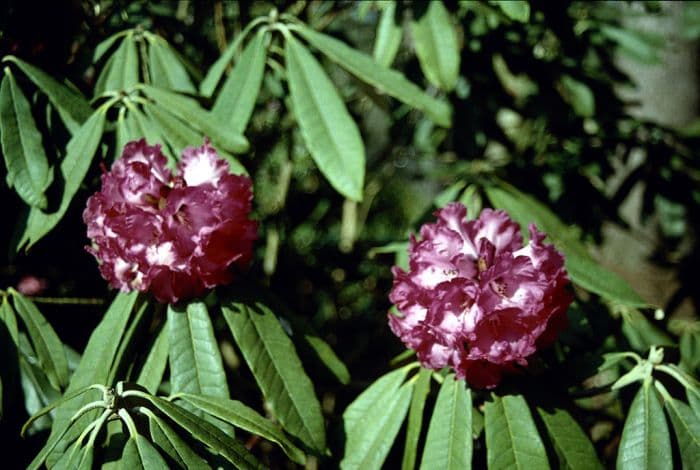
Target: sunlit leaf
645, 442
573, 447
388, 40
277, 369
329, 132
166, 69
449, 441
241, 416
369, 440
25, 160
512, 440
122, 70
436, 46
236, 100
518, 10
195, 360
386, 80
415, 418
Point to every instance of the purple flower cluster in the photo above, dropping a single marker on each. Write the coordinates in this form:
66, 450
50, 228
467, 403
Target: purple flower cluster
172, 235
475, 299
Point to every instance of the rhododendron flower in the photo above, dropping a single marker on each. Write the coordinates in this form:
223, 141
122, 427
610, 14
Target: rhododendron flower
475, 299
174, 235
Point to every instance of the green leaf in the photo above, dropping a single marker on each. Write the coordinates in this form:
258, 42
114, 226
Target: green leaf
241, 416
385, 79
512, 440
641, 333
145, 127
237, 98
98, 357
361, 411
122, 69
195, 359
329, 132
49, 348
64, 399
388, 40
329, 358
209, 435
436, 45
166, 69
191, 112
73, 108
367, 446
641, 46
152, 371
578, 95
277, 369
582, 268
645, 442
140, 454
106, 45
449, 441
690, 351
73, 168
7, 316
517, 10
27, 166
573, 447
686, 425
60, 436
173, 445
217, 70
415, 418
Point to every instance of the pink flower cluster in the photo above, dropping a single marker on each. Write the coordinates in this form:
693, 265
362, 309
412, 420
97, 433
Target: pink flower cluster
477, 300
172, 235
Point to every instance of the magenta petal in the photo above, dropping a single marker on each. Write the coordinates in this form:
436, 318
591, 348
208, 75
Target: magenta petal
477, 300
171, 235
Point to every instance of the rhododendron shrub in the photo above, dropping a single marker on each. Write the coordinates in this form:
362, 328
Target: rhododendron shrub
475, 298
171, 234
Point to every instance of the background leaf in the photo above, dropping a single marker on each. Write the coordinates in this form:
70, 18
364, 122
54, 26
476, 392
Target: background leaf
686, 425
386, 80
388, 40
436, 46
329, 132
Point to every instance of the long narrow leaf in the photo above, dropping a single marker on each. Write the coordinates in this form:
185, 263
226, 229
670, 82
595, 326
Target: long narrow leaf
206, 433
645, 442
49, 348
153, 368
195, 360
166, 69
387, 80
190, 111
277, 369
173, 445
123, 72
241, 416
329, 132
73, 108
140, 454
367, 447
388, 40
79, 154
686, 425
573, 447
512, 440
27, 166
236, 101
415, 418
436, 46
449, 441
